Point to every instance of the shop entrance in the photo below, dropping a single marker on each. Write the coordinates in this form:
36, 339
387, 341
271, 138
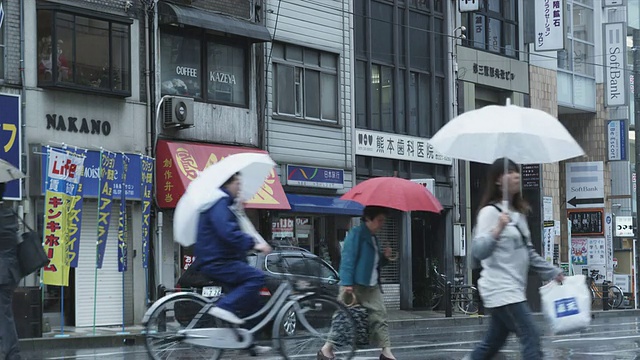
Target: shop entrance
319, 234
425, 256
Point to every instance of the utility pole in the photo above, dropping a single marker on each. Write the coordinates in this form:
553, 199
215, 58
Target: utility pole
636, 99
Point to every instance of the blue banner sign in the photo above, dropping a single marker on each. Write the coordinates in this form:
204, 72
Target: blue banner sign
10, 144
91, 180
315, 177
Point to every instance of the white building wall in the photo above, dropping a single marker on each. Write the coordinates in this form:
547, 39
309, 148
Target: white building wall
323, 25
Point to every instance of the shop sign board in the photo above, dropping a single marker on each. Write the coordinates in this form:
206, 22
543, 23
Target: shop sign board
585, 184
399, 147
549, 25
318, 177
615, 63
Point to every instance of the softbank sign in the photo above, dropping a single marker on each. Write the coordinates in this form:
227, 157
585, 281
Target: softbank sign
615, 62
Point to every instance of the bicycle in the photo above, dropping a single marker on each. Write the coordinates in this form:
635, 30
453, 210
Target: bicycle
615, 292
462, 296
178, 326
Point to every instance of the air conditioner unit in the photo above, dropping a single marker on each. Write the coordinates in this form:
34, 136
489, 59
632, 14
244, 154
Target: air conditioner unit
177, 112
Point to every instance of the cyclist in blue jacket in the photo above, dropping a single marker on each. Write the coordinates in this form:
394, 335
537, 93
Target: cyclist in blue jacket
221, 249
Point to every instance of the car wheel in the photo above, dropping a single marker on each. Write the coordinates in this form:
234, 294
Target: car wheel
289, 323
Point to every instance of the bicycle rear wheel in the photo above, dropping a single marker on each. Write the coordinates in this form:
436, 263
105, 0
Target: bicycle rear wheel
466, 301
163, 339
319, 319
615, 296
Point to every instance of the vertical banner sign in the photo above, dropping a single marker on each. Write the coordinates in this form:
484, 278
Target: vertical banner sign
74, 216
107, 176
147, 182
10, 139
616, 140
608, 236
615, 63
549, 25
63, 176
122, 221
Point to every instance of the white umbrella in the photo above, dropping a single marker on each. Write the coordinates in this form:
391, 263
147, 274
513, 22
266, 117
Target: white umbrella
204, 191
9, 172
524, 135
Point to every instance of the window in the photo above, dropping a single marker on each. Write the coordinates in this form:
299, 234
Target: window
92, 53
219, 78
403, 93
493, 27
579, 53
305, 82
300, 266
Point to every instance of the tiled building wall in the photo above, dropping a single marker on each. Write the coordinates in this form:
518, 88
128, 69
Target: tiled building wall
589, 129
544, 96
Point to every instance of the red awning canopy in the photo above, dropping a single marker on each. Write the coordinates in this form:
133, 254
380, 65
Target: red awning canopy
178, 163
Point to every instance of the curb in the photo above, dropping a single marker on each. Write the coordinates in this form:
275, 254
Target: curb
82, 342
479, 320
138, 339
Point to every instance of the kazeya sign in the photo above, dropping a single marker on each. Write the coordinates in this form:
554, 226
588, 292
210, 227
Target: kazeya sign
615, 63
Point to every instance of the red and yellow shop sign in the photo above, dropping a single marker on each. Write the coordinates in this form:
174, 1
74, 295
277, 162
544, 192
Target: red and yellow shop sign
180, 162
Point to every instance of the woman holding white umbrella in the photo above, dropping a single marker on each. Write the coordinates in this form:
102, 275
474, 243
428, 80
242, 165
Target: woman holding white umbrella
502, 246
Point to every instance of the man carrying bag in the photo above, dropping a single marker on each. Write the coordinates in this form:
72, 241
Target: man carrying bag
10, 275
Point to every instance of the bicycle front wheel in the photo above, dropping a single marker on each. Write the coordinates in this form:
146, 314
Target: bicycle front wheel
318, 320
163, 339
615, 296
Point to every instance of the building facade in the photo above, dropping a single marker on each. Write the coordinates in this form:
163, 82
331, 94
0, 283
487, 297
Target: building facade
401, 91
209, 70
308, 122
593, 99
87, 98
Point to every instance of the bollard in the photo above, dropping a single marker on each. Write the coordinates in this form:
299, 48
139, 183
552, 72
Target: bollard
447, 297
605, 295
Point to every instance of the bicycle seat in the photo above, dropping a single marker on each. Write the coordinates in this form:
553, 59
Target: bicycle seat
193, 278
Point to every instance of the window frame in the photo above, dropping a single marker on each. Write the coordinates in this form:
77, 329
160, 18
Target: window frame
278, 62
205, 36
505, 23
572, 40
402, 68
84, 13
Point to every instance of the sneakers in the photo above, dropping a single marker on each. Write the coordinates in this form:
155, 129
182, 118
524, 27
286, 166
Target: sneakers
225, 315
259, 350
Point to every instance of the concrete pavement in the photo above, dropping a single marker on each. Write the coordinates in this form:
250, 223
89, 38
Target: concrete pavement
106, 337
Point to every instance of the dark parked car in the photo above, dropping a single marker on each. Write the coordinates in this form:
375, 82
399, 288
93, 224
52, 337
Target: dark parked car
296, 263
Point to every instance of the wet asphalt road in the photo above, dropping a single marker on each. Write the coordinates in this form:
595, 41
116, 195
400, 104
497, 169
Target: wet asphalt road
607, 338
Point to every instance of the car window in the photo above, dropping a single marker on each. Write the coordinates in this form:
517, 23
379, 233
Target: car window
301, 266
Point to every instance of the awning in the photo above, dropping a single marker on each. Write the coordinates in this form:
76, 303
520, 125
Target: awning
323, 205
175, 14
178, 163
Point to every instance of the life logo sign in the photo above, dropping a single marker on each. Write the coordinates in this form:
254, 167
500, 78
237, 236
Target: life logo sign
10, 140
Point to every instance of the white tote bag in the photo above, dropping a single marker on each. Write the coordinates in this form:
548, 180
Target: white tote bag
567, 306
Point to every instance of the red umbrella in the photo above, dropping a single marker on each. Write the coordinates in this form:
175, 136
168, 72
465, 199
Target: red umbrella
395, 193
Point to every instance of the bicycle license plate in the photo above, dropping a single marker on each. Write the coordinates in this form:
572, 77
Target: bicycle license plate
211, 291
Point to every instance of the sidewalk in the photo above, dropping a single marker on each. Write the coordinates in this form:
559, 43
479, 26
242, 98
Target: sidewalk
78, 338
